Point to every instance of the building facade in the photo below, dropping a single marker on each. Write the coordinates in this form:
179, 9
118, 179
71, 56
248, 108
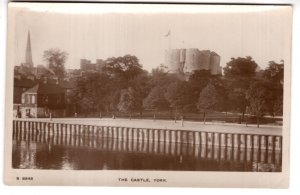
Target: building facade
88, 66
43, 100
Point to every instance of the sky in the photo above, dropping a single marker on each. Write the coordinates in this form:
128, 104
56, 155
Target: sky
100, 31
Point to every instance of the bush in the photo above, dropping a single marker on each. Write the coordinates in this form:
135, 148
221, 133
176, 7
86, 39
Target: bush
190, 108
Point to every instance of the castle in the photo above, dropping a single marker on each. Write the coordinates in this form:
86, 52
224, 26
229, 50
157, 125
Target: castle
186, 61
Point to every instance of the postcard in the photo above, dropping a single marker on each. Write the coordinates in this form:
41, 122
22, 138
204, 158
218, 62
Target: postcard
164, 95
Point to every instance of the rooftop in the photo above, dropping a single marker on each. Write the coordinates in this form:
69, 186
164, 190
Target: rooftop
42, 88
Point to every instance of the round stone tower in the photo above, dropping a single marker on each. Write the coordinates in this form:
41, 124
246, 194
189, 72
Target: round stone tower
191, 60
172, 60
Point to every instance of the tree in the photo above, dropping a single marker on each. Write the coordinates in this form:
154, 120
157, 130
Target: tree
160, 76
140, 84
275, 72
239, 72
123, 68
197, 81
55, 59
178, 95
86, 105
91, 90
273, 75
156, 99
256, 95
240, 67
128, 102
111, 100
209, 99
200, 79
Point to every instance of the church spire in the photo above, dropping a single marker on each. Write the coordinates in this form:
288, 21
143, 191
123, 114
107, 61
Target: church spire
28, 55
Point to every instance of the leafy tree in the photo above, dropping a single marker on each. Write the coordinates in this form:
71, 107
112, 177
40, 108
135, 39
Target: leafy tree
128, 102
200, 79
209, 99
236, 93
278, 106
156, 99
275, 72
273, 75
55, 59
190, 108
123, 68
160, 76
111, 100
178, 95
140, 84
256, 95
90, 92
86, 105
239, 72
197, 81
274, 98
240, 67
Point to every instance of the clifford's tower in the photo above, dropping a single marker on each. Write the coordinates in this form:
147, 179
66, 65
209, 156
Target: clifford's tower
28, 54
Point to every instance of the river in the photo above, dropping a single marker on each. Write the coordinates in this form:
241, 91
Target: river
73, 152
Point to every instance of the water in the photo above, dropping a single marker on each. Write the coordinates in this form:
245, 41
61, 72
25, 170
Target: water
89, 153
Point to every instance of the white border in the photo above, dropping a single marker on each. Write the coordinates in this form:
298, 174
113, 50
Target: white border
295, 144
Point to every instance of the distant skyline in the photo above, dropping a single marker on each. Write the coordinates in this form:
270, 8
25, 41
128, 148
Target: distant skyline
103, 31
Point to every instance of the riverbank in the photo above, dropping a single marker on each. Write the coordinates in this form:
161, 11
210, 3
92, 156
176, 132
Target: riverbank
170, 125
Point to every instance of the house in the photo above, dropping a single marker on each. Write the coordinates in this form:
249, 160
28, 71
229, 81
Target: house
21, 85
43, 100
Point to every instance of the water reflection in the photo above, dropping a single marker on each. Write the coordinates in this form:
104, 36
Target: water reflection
36, 151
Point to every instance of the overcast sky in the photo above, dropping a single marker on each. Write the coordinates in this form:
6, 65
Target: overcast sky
102, 31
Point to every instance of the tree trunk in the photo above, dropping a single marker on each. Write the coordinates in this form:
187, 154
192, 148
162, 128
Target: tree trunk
182, 121
257, 121
141, 114
204, 117
175, 114
243, 116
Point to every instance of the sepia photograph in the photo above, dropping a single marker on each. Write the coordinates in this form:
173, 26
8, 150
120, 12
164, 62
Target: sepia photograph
133, 91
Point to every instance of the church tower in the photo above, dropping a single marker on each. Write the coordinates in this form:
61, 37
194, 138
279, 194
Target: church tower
28, 55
